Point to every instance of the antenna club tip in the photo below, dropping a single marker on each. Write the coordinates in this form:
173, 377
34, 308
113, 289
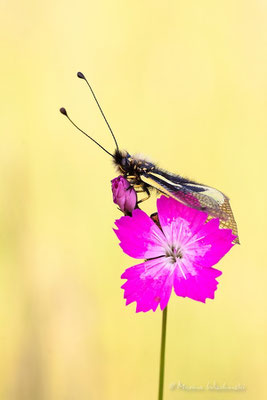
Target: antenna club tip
63, 111
80, 75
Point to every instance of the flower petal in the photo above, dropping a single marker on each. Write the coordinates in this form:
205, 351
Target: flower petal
216, 241
130, 200
124, 194
198, 287
149, 284
139, 236
172, 213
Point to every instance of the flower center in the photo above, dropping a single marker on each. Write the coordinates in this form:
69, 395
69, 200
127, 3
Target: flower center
173, 253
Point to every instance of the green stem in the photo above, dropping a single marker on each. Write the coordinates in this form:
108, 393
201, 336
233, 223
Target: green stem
162, 353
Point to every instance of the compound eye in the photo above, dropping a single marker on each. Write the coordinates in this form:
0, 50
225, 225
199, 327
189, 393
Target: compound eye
124, 161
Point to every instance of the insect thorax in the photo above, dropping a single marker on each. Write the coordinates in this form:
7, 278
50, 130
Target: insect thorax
132, 167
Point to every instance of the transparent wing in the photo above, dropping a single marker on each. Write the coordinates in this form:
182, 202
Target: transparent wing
197, 196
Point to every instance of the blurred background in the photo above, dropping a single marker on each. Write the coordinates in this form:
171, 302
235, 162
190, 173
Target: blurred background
183, 82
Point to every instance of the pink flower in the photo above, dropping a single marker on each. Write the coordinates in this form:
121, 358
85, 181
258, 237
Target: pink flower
179, 256
124, 194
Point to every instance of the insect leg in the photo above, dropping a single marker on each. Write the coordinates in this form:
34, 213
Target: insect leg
131, 179
136, 187
139, 189
145, 198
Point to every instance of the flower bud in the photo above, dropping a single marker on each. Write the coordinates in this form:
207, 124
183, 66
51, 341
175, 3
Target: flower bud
124, 194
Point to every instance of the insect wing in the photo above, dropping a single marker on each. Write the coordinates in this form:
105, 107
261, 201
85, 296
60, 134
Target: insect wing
197, 196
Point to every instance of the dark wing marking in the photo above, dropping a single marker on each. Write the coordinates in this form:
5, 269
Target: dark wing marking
194, 195
174, 178
188, 193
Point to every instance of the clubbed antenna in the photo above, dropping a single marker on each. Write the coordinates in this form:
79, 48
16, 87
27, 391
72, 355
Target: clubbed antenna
64, 112
81, 76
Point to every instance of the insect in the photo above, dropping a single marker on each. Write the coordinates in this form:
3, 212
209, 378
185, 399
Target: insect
144, 175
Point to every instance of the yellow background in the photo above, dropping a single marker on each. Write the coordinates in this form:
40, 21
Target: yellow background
184, 82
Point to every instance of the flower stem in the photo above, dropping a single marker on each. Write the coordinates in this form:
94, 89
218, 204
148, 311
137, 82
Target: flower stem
162, 353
